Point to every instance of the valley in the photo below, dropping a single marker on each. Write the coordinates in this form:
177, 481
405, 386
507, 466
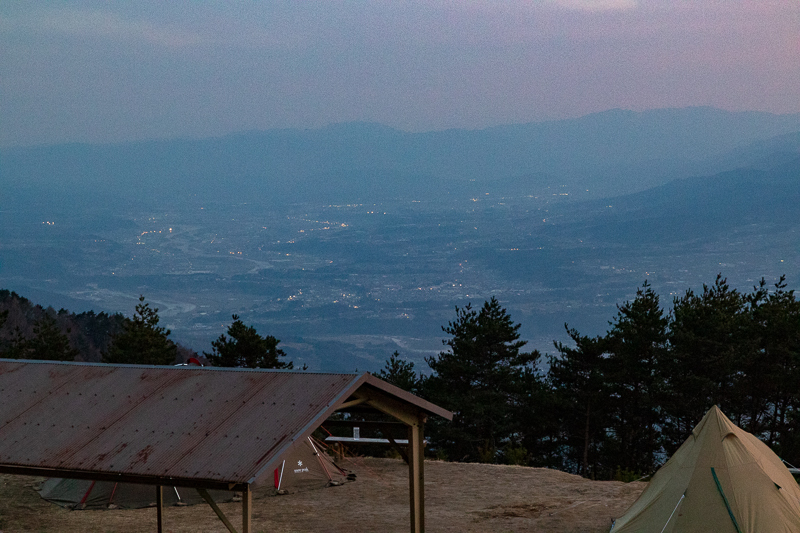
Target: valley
344, 285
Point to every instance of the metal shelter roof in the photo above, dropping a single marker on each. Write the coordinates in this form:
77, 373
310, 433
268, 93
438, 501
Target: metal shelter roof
184, 426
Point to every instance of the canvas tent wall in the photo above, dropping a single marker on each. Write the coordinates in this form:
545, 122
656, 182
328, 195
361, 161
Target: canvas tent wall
721, 480
86, 494
306, 467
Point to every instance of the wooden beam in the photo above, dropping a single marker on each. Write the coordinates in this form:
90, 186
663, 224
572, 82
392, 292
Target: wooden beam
364, 440
384, 403
397, 447
416, 474
366, 424
160, 508
247, 510
351, 403
210, 501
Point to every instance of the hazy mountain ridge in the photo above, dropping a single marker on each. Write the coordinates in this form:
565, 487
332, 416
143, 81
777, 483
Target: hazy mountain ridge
702, 207
345, 284
613, 152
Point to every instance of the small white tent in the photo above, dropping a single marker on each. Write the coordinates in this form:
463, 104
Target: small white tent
721, 480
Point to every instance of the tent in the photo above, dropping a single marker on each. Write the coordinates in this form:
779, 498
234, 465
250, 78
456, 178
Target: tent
721, 480
86, 494
305, 467
308, 466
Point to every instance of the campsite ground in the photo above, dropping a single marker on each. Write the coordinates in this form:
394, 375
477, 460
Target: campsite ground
459, 498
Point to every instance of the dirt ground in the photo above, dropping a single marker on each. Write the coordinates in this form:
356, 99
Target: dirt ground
458, 498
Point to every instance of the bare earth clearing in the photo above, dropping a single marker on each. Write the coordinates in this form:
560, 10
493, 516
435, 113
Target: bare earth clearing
459, 498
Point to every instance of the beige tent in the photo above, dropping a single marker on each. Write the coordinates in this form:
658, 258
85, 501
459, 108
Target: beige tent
721, 480
308, 466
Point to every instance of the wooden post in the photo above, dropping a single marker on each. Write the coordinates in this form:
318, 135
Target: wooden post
416, 474
210, 501
160, 508
247, 509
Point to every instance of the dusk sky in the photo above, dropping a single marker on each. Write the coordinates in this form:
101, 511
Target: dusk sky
112, 71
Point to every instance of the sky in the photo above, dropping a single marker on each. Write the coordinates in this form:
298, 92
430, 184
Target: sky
84, 71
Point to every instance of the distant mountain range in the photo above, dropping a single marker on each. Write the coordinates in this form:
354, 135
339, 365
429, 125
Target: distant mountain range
609, 153
693, 208
674, 197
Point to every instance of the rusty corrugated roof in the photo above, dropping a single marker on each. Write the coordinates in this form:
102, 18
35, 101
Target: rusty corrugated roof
190, 423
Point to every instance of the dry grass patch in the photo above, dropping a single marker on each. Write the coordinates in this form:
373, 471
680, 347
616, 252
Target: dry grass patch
459, 498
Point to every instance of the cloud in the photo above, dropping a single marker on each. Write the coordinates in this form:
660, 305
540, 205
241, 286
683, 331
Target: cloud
596, 5
107, 25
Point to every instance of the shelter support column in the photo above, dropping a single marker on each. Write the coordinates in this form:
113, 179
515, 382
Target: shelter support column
160, 508
247, 510
210, 501
416, 474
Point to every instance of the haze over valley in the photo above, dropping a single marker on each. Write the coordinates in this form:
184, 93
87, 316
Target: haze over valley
521, 237
356, 240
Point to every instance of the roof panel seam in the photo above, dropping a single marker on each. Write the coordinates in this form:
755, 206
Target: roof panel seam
40, 401
199, 442
158, 389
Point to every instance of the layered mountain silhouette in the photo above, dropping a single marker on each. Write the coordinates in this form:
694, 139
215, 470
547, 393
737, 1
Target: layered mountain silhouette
609, 153
698, 208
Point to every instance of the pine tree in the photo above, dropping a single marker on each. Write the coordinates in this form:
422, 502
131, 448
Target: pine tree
637, 346
477, 379
578, 379
534, 420
5, 345
709, 340
771, 375
48, 342
400, 373
16, 347
142, 341
245, 348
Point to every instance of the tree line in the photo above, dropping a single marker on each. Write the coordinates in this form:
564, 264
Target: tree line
609, 406
616, 405
29, 331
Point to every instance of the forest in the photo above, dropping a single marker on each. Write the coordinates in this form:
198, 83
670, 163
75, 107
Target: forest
614, 406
